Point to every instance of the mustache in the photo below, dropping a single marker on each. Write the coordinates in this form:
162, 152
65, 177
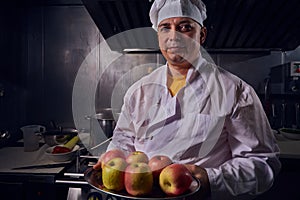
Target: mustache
180, 44
174, 46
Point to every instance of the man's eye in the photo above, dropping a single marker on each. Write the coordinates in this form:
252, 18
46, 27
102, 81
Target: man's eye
164, 29
185, 28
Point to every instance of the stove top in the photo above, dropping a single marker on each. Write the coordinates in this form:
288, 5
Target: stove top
72, 177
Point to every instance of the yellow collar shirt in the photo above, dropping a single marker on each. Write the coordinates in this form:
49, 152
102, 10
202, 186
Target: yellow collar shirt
174, 84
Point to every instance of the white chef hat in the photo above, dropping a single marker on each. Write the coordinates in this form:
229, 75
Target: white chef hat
163, 9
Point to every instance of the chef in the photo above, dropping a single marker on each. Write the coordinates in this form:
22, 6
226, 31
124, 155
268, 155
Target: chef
197, 113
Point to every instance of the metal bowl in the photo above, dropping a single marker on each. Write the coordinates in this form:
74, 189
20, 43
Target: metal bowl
290, 133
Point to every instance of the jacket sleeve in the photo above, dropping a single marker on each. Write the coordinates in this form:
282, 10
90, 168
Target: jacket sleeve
254, 163
124, 133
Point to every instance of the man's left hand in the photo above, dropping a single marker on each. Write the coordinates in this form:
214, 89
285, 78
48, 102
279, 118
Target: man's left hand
201, 174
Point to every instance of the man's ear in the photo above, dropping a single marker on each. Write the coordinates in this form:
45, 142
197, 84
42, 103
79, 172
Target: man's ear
203, 33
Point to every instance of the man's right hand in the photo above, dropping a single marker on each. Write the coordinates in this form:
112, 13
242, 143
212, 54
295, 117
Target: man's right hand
97, 166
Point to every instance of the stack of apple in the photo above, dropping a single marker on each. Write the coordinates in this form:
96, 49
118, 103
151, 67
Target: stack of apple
137, 174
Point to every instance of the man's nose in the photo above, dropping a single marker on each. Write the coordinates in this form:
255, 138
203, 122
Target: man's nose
174, 35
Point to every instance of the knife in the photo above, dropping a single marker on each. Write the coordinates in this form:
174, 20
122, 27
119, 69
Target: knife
41, 166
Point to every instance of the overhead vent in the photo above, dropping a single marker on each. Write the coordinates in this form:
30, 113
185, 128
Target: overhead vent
232, 24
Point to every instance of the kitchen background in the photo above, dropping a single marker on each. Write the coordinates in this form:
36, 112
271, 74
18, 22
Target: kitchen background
43, 43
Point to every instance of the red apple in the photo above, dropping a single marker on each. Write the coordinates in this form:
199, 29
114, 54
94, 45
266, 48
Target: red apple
137, 156
175, 179
138, 179
157, 164
114, 153
113, 174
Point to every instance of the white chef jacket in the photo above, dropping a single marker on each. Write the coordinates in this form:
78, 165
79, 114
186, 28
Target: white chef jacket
216, 121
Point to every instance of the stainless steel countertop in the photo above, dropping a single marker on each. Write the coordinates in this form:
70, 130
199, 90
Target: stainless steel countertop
288, 148
12, 157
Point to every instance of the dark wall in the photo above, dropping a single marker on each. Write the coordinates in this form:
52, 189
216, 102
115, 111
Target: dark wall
12, 48
60, 37
42, 45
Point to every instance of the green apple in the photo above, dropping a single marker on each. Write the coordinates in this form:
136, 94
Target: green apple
113, 174
114, 153
138, 179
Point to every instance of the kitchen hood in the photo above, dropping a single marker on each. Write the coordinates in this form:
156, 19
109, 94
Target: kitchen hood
124, 24
233, 25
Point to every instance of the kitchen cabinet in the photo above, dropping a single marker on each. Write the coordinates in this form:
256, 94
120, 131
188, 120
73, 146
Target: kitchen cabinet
30, 186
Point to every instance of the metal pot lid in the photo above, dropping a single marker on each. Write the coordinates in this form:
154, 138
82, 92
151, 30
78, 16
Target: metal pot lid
106, 114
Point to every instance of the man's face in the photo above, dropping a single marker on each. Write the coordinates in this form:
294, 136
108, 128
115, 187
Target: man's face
179, 40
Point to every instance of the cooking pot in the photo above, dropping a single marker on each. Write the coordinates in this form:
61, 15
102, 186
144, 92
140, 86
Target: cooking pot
102, 125
106, 118
58, 135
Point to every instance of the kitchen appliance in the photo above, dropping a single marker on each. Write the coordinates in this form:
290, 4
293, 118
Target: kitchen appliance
283, 93
285, 78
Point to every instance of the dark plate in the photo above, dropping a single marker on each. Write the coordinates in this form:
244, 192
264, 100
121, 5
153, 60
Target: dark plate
94, 179
290, 133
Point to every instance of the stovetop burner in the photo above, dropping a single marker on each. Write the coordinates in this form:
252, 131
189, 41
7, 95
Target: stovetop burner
73, 177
